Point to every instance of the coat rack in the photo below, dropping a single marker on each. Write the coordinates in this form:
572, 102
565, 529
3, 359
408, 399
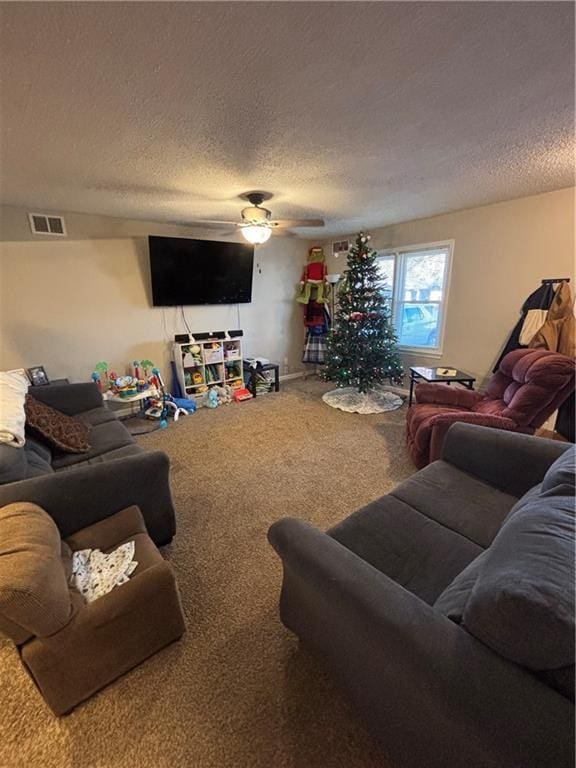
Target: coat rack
552, 280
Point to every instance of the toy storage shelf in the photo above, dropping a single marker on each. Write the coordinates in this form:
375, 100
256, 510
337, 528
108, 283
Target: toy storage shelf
202, 364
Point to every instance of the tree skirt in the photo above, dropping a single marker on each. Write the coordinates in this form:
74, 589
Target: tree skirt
377, 400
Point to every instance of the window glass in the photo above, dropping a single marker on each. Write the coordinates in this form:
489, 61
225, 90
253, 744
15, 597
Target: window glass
424, 276
419, 325
386, 264
418, 295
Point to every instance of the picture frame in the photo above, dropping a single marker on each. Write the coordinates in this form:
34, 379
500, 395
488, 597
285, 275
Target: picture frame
340, 248
38, 376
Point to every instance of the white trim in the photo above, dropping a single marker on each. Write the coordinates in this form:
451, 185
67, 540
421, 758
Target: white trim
296, 375
438, 244
399, 266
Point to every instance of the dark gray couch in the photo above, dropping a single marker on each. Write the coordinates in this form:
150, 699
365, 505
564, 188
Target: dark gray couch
115, 474
438, 611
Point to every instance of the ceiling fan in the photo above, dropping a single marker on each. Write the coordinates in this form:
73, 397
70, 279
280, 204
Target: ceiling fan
257, 224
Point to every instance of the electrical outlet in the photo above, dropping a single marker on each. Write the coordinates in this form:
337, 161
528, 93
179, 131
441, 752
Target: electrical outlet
285, 365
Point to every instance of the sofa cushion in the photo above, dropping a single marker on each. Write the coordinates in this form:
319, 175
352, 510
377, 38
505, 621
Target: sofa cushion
103, 437
562, 473
415, 551
13, 464
59, 430
117, 453
457, 500
34, 595
453, 601
522, 604
96, 416
38, 458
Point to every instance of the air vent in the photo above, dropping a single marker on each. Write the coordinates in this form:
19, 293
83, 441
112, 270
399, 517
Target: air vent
45, 224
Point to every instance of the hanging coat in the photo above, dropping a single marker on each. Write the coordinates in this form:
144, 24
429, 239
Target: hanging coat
540, 299
557, 333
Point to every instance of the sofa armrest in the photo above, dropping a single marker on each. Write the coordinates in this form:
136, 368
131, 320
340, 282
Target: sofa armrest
441, 423
430, 692
510, 461
80, 497
443, 394
71, 399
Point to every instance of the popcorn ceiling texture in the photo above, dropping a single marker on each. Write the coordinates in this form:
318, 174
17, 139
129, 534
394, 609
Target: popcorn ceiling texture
363, 113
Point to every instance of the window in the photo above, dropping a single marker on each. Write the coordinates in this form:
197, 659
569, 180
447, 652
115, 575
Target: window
416, 281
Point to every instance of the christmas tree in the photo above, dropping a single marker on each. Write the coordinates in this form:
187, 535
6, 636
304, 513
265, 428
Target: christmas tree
362, 345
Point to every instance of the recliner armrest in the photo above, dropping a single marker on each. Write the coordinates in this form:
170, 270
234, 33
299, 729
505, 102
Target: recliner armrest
431, 693
510, 461
80, 497
444, 394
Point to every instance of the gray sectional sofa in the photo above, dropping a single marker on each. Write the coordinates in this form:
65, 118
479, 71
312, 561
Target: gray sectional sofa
116, 473
109, 438
446, 608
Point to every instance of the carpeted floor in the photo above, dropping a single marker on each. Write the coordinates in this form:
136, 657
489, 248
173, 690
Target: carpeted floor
238, 691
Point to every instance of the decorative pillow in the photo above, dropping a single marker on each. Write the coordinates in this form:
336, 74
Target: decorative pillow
453, 601
59, 430
522, 604
13, 388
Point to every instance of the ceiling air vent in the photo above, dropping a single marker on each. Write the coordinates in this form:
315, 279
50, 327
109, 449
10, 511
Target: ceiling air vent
45, 224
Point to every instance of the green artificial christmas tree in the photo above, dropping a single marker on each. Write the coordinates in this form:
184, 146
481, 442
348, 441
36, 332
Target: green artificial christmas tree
362, 345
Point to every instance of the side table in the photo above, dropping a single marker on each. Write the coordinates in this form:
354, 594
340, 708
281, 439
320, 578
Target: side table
259, 369
435, 375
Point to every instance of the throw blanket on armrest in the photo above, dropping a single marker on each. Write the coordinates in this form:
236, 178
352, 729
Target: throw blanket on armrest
13, 388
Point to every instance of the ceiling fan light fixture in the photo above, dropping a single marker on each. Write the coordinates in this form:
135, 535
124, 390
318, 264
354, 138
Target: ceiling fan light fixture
256, 234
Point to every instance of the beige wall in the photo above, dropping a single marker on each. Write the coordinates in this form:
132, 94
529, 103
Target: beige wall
66, 304
501, 252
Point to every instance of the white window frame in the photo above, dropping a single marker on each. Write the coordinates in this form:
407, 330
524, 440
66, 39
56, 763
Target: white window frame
399, 269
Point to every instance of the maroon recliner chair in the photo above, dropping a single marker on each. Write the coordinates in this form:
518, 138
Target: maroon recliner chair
528, 387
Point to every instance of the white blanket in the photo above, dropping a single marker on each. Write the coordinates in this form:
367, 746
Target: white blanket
95, 573
13, 388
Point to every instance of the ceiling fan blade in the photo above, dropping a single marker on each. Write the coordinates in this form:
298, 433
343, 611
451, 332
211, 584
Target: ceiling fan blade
289, 223
209, 223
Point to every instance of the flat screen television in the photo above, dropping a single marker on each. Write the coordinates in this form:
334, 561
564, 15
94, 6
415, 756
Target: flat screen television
187, 271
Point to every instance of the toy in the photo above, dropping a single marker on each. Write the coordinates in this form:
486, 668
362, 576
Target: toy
314, 276
212, 399
147, 365
100, 375
125, 386
95, 376
196, 352
224, 394
185, 403
242, 394
197, 378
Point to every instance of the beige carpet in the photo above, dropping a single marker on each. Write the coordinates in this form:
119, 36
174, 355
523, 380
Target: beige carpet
237, 691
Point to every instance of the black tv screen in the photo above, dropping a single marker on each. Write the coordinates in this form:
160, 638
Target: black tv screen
199, 272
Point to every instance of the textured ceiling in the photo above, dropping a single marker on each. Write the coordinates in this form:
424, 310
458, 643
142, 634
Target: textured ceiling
364, 114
